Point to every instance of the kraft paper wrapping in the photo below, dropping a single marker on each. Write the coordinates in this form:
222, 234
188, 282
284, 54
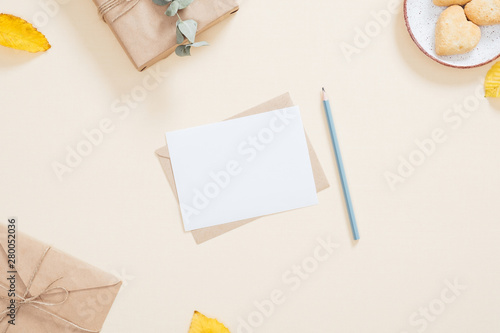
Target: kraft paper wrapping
205, 234
147, 35
64, 294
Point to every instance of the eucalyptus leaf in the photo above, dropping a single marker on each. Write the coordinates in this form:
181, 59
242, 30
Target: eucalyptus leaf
183, 50
162, 2
179, 35
184, 3
172, 9
198, 44
187, 28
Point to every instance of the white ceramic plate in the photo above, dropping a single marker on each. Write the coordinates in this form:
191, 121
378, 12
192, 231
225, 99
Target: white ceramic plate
421, 17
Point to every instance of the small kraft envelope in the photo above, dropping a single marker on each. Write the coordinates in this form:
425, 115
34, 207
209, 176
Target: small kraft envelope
52, 291
204, 234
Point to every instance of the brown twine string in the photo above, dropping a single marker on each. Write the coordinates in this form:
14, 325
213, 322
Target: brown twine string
109, 5
34, 300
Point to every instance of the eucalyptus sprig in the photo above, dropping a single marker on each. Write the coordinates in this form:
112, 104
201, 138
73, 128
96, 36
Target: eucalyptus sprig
183, 29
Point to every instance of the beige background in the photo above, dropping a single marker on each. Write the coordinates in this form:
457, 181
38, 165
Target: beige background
115, 209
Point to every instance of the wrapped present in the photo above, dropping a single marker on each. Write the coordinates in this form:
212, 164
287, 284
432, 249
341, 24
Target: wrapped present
144, 31
51, 291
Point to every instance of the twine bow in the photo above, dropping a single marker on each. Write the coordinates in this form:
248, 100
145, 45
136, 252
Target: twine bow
109, 5
36, 300
22, 300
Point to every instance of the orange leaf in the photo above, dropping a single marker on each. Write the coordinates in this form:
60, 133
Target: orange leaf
21, 35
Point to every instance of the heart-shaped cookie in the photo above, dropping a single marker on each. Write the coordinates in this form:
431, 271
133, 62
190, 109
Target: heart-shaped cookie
483, 12
454, 34
450, 2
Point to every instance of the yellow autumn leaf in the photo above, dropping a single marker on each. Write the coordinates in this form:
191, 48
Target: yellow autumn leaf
492, 81
21, 35
203, 324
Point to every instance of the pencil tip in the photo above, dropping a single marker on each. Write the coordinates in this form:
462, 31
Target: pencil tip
325, 97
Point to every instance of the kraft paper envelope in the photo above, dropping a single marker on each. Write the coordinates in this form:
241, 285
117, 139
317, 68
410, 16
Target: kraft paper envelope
202, 235
56, 292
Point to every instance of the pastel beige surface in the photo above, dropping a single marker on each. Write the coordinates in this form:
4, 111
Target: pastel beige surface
115, 209
454, 33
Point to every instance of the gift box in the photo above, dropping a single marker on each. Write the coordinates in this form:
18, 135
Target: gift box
52, 291
144, 31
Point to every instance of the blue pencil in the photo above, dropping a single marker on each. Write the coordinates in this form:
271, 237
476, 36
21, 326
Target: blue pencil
340, 164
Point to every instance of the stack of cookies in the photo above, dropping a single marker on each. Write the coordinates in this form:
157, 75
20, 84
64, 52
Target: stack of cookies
457, 29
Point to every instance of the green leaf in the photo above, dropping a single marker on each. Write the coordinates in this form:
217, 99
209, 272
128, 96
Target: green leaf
198, 44
162, 2
179, 35
183, 50
172, 9
188, 28
184, 3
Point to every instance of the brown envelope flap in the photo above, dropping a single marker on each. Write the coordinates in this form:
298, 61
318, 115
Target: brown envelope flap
163, 152
70, 273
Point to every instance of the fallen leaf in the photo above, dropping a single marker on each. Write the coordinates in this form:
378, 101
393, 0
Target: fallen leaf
21, 35
492, 81
203, 324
